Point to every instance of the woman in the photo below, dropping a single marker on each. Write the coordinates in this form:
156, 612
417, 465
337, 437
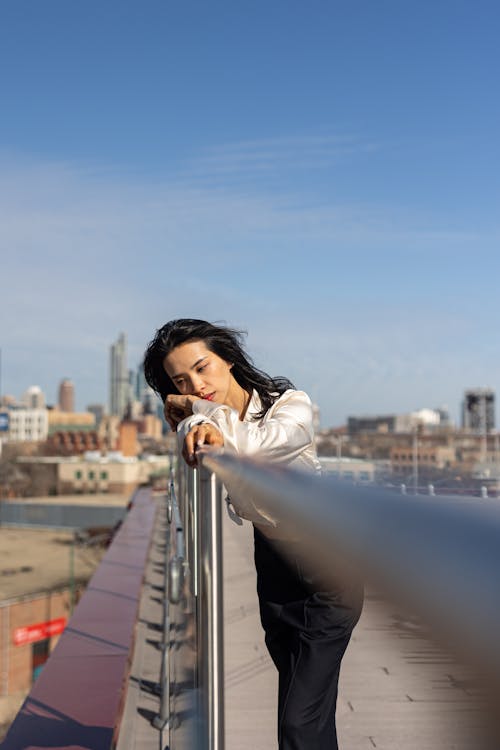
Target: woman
214, 395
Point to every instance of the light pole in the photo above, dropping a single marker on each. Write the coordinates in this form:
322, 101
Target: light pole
415, 460
484, 430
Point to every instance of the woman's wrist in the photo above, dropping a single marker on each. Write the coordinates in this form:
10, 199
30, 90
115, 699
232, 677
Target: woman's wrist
192, 400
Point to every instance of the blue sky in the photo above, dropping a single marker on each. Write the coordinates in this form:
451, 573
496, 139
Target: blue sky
324, 175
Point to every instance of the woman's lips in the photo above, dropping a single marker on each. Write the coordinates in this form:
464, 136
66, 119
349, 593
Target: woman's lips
209, 396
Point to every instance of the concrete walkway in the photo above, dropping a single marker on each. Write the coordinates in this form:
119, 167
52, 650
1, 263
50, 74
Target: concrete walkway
398, 691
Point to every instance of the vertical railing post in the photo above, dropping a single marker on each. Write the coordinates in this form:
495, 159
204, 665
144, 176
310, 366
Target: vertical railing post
199, 591
217, 644
194, 493
210, 611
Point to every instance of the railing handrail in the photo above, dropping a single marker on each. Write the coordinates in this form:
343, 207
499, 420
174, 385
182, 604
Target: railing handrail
439, 558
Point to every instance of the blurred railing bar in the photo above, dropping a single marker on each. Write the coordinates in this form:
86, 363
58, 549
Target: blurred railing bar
439, 558
194, 486
210, 607
161, 720
178, 562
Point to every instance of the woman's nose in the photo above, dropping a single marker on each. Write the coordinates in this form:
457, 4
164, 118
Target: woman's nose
197, 384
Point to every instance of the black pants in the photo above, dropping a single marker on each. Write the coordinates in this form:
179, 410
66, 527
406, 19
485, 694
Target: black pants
306, 631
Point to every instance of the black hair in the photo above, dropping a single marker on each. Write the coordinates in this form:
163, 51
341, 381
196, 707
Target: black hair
226, 342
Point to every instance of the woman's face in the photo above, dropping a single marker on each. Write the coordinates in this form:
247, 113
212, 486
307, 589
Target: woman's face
196, 371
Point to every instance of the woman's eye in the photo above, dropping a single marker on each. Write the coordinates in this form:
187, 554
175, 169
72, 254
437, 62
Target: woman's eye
200, 369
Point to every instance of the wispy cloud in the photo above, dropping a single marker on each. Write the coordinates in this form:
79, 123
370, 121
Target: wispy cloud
272, 158
345, 299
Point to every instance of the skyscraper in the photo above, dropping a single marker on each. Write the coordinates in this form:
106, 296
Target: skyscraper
118, 377
66, 399
478, 410
143, 392
98, 410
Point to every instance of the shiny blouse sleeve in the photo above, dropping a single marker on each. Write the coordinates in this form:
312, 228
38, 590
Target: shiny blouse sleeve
281, 435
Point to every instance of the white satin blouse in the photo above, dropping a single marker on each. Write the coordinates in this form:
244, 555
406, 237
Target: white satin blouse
285, 435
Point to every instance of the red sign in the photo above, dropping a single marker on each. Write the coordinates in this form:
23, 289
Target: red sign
38, 632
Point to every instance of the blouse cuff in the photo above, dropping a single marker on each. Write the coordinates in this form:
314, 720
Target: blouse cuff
207, 409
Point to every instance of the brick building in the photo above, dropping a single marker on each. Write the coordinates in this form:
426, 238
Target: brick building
72, 443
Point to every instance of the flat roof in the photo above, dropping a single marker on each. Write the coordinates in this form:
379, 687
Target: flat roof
33, 560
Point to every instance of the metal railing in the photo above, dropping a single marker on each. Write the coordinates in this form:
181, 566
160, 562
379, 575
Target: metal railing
432, 489
441, 559
438, 558
193, 599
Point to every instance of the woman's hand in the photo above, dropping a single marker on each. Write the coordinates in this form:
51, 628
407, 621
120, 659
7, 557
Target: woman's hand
178, 408
200, 434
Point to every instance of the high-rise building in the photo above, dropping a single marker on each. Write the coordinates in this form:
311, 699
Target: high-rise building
144, 393
118, 377
66, 397
98, 410
140, 383
131, 386
478, 410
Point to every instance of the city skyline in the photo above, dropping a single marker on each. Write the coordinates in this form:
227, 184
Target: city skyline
133, 384
336, 194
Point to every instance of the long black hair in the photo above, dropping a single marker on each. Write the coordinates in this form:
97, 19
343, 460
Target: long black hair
226, 342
